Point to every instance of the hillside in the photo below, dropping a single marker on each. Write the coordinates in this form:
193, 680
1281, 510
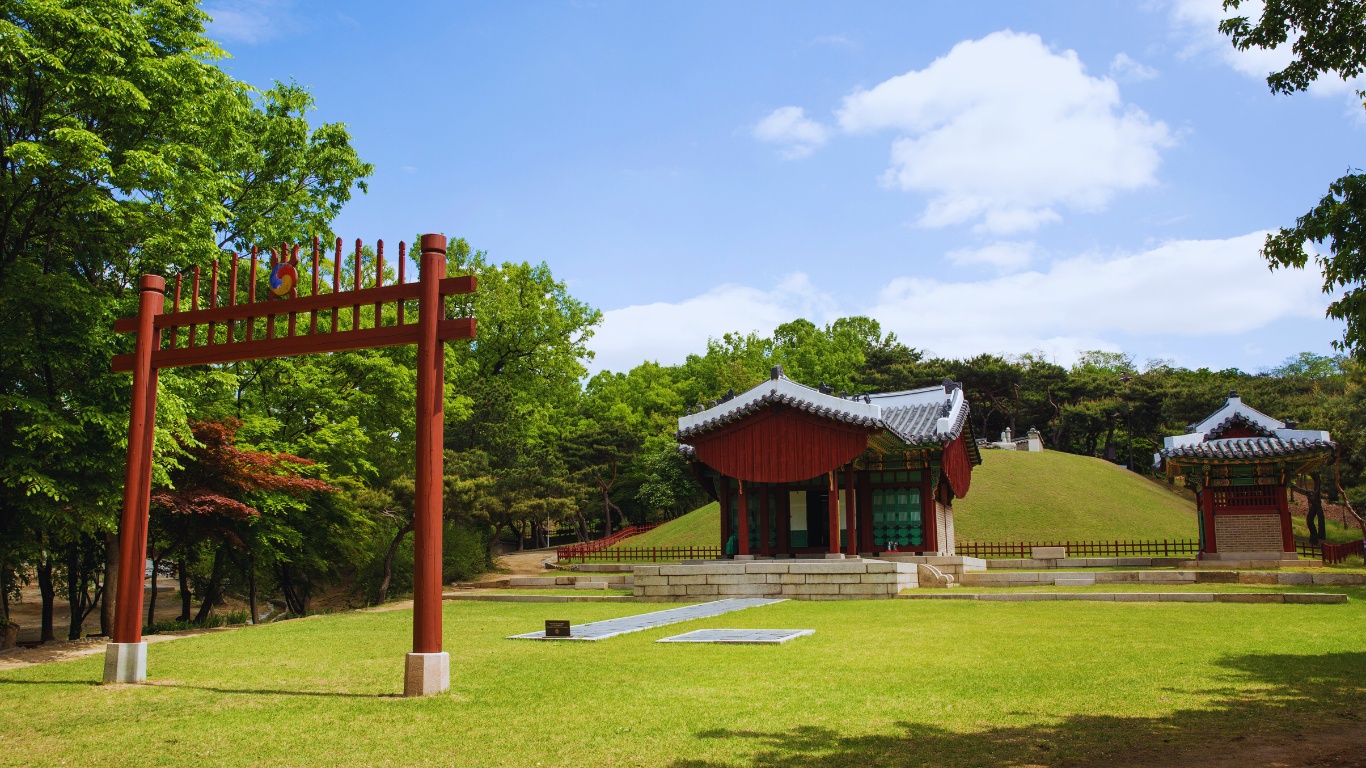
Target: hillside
699, 528
1019, 497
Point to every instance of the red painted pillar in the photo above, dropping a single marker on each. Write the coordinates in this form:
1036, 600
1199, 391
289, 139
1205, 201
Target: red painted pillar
430, 413
1207, 511
784, 520
1287, 533
723, 490
742, 535
850, 513
137, 479
834, 505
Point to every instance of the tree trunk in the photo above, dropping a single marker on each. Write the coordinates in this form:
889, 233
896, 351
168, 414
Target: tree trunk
389, 561
211, 593
111, 581
75, 590
4, 594
251, 590
49, 596
151, 599
184, 573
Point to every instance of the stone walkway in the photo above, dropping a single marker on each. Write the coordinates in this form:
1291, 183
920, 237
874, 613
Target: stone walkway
601, 630
739, 636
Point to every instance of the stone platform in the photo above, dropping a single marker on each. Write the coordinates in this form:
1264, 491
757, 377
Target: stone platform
851, 579
1088, 578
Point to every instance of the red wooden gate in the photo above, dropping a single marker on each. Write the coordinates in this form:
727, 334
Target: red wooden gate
280, 324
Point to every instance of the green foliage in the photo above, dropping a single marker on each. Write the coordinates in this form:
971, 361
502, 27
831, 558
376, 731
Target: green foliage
1326, 37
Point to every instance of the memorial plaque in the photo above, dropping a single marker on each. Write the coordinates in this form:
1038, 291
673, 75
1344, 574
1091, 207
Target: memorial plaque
555, 628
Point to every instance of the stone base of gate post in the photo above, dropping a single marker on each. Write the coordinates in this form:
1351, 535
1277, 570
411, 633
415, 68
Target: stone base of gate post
125, 662
427, 673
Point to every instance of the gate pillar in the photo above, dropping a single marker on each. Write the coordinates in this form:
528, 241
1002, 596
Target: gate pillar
125, 659
427, 668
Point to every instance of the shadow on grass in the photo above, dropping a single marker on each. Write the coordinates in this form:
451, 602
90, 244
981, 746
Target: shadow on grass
1303, 710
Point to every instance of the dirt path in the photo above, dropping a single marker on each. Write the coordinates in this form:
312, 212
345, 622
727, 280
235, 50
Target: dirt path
526, 563
15, 658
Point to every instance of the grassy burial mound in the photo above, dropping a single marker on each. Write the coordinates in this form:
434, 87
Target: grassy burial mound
699, 528
1020, 496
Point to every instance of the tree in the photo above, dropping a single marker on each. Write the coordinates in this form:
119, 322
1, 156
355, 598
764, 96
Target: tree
124, 150
220, 492
1327, 37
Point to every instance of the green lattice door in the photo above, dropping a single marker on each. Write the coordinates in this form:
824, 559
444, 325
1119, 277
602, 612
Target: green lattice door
897, 518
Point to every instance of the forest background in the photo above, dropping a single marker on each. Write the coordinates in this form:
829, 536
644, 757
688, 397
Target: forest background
125, 150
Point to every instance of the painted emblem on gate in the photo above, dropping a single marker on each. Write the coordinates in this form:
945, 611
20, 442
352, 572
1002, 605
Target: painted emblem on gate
283, 279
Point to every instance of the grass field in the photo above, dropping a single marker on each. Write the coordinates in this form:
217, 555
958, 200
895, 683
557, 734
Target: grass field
881, 683
699, 528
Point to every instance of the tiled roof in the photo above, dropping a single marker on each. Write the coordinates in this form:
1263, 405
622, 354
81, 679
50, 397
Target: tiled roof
1240, 419
930, 414
1247, 448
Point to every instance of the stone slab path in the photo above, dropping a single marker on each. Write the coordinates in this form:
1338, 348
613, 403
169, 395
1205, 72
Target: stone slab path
739, 636
601, 630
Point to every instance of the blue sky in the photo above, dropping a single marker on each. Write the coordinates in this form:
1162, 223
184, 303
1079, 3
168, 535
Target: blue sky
987, 177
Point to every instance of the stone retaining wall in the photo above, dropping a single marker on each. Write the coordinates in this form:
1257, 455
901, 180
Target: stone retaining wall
795, 579
1086, 578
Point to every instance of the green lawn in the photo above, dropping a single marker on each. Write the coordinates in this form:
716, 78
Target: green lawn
1021, 496
699, 528
881, 683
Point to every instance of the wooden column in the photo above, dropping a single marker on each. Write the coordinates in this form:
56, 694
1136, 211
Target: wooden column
850, 512
430, 415
137, 479
929, 517
764, 520
1287, 533
1206, 500
742, 521
723, 492
834, 506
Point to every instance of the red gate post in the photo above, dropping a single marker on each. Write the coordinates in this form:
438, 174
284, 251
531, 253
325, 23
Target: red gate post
125, 659
427, 669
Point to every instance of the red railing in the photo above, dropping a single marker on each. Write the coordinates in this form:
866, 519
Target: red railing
579, 550
643, 554
1020, 550
1336, 553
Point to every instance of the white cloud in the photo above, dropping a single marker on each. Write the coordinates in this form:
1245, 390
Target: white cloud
669, 332
1123, 67
1004, 131
249, 21
1198, 21
1005, 256
790, 128
1183, 289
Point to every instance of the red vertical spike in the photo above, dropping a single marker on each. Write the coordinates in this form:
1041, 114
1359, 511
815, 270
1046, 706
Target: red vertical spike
336, 283
402, 262
194, 305
175, 307
250, 324
313, 289
294, 289
213, 302
355, 308
270, 316
232, 294
379, 278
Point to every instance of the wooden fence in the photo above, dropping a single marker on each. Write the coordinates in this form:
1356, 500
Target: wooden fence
1020, 550
1336, 553
575, 551
640, 554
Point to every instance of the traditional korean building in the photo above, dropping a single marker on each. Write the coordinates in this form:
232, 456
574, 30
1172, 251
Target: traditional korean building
802, 472
1240, 463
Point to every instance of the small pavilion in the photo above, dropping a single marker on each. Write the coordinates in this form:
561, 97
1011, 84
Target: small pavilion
803, 472
1240, 463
